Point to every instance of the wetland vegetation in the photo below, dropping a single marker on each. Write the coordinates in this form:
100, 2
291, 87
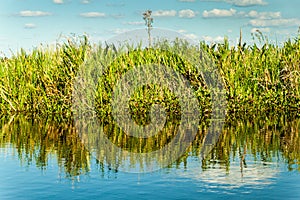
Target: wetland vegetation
259, 144
260, 80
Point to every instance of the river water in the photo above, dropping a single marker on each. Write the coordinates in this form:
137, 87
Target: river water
258, 158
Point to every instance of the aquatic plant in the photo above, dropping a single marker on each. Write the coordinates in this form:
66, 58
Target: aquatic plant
258, 78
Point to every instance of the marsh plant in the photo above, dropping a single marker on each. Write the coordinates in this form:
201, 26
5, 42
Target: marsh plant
258, 78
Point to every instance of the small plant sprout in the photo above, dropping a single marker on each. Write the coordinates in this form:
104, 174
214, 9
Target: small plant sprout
148, 22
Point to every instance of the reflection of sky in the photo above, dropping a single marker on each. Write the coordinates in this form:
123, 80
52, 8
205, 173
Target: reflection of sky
255, 174
22, 181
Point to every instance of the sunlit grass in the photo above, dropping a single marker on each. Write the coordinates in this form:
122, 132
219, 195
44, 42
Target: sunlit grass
258, 78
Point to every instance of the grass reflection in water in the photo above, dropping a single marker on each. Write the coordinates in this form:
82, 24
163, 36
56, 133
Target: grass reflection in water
263, 140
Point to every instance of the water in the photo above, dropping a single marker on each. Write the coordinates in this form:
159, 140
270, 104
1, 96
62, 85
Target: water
257, 158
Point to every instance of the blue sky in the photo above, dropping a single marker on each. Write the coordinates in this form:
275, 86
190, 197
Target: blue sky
29, 23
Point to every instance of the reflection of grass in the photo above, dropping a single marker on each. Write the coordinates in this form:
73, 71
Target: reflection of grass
141, 145
267, 140
256, 78
37, 139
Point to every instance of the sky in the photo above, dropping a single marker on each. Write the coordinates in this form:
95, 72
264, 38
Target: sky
31, 23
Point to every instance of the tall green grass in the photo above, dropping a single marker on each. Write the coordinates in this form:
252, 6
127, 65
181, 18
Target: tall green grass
40, 82
262, 78
258, 78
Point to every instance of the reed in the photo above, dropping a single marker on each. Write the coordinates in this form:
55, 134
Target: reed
258, 78
40, 82
264, 79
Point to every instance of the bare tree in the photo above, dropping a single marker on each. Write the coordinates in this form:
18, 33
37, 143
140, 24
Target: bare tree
148, 22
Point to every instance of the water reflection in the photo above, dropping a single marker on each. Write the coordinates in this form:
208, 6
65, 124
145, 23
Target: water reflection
256, 174
247, 152
269, 140
36, 139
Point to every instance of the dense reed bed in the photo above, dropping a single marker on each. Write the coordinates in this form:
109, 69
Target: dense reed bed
264, 79
40, 82
273, 139
258, 78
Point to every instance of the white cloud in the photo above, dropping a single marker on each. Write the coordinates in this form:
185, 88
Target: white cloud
188, 35
164, 13
92, 14
29, 13
58, 1
233, 13
182, 31
274, 22
29, 26
213, 39
188, 13
265, 30
191, 36
218, 13
263, 15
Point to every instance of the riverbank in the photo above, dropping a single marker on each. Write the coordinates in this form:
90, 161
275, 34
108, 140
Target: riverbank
257, 78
